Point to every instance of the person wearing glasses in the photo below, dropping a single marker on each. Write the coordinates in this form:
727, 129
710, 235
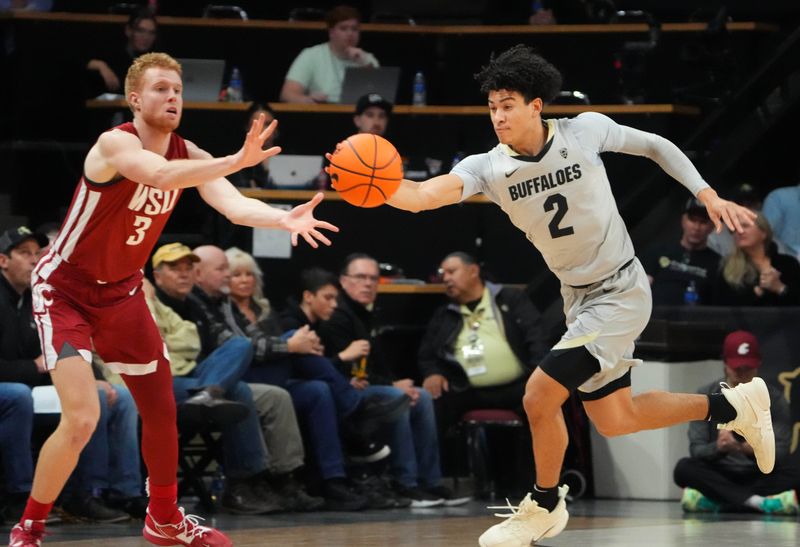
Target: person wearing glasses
107, 73
413, 438
480, 349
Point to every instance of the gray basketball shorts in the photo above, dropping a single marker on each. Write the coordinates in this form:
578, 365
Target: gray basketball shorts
606, 317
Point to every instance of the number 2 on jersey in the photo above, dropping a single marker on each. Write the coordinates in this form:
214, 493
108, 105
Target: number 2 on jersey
559, 203
140, 225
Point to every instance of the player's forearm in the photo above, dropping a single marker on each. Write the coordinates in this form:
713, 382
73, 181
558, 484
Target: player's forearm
190, 173
409, 197
254, 213
675, 163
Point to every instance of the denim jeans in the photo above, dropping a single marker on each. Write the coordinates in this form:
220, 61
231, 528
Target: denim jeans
315, 405
279, 372
16, 426
413, 440
111, 459
243, 442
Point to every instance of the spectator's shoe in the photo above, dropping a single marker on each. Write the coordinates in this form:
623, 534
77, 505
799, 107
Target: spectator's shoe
784, 503
361, 450
753, 420
187, 532
92, 509
340, 497
136, 506
420, 499
374, 489
693, 501
374, 411
209, 405
270, 498
450, 498
240, 499
527, 523
294, 495
28, 533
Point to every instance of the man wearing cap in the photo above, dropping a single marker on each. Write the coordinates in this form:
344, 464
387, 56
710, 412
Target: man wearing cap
372, 114
21, 369
721, 474
206, 356
675, 268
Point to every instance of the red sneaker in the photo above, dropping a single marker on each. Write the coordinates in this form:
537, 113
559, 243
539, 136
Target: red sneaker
28, 533
187, 532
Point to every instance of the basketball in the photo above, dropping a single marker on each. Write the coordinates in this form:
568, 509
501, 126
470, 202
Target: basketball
366, 170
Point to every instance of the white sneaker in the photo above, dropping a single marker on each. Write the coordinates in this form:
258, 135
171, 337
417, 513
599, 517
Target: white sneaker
527, 523
753, 420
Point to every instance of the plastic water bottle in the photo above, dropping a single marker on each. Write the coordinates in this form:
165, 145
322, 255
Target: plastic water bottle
690, 296
235, 86
418, 96
217, 486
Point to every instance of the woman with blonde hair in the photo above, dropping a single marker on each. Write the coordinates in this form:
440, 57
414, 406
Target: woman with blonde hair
755, 274
323, 398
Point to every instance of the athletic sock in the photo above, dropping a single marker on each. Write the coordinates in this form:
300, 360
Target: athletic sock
754, 502
35, 510
720, 410
163, 506
547, 498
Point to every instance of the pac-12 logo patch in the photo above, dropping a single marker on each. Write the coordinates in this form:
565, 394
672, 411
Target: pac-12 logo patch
563, 153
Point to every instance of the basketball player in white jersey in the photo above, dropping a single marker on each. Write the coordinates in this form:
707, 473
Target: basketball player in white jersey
547, 175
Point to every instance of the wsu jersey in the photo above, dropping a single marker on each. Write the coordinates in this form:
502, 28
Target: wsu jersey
111, 228
562, 198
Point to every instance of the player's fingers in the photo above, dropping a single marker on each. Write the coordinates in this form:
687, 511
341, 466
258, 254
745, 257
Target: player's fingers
319, 196
320, 237
737, 223
715, 219
294, 239
271, 151
310, 240
329, 157
327, 226
268, 130
726, 217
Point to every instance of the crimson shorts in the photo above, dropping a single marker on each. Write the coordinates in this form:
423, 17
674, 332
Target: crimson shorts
111, 319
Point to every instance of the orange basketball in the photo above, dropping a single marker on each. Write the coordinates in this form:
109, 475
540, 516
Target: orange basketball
366, 170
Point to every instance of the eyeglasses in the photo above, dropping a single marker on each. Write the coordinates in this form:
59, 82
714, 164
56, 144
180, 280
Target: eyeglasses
363, 278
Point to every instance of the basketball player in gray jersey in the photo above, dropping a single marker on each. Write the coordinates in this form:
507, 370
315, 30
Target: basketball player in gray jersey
547, 175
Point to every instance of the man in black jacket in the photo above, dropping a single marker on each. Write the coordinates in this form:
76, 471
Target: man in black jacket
480, 349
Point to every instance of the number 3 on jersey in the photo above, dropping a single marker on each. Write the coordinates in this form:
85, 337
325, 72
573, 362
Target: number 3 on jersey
559, 203
141, 224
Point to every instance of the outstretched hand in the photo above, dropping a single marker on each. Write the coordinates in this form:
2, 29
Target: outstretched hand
720, 211
252, 152
300, 221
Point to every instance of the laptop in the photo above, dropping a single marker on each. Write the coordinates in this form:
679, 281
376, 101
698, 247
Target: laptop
360, 81
294, 170
202, 79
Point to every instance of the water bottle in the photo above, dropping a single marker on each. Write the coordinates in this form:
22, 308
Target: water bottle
235, 86
217, 486
418, 96
690, 296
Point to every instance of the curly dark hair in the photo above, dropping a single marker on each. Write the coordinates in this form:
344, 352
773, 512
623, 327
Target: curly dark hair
520, 69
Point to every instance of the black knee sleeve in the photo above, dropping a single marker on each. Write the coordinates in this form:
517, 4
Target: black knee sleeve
570, 367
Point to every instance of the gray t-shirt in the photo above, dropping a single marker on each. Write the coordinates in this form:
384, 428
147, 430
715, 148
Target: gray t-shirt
562, 198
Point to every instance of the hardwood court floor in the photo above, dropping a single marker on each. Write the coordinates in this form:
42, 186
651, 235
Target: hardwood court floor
593, 522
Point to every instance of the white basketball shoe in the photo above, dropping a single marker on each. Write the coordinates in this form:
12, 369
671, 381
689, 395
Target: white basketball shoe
753, 420
527, 523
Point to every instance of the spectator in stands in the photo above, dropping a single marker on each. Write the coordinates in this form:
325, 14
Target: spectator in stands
110, 461
755, 274
673, 268
414, 441
331, 407
721, 474
372, 114
16, 427
541, 14
257, 176
479, 350
745, 195
26, 5
206, 356
782, 209
112, 65
317, 73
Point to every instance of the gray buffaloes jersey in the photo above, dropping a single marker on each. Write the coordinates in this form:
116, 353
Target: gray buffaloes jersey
562, 198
